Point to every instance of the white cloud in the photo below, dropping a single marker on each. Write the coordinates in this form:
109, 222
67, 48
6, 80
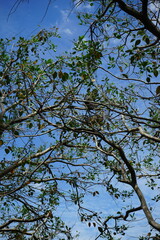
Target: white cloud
65, 15
67, 31
82, 6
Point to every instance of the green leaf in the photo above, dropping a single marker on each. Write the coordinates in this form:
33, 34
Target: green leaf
65, 76
100, 230
147, 40
30, 125
60, 74
148, 79
54, 75
132, 59
125, 75
7, 150
158, 90
137, 42
155, 73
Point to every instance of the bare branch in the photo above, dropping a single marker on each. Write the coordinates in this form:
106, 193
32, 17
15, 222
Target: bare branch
22, 220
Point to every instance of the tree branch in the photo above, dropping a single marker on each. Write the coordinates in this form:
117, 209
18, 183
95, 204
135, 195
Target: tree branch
23, 160
145, 7
22, 220
140, 16
145, 208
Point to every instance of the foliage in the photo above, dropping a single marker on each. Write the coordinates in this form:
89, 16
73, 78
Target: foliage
72, 125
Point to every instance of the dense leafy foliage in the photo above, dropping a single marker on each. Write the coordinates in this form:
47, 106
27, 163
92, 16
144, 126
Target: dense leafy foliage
75, 124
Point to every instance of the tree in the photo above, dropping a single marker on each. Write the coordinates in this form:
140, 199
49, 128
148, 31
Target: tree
67, 127
28, 91
134, 26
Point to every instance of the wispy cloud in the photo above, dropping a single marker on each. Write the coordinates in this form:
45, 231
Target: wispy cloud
65, 16
83, 6
67, 31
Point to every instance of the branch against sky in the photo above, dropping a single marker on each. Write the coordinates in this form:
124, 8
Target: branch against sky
17, 3
143, 16
68, 129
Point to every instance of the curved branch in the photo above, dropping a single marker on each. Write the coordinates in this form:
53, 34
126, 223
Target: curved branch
156, 139
14, 230
127, 79
142, 16
145, 208
23, 220
23, 160
126, 214
149, 45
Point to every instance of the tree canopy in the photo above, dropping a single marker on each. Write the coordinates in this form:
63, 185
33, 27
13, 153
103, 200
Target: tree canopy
87, 120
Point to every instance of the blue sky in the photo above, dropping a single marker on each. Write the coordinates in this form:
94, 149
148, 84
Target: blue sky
29, 19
